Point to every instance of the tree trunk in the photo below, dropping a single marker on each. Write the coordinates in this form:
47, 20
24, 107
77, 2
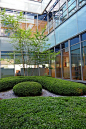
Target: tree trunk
23, 62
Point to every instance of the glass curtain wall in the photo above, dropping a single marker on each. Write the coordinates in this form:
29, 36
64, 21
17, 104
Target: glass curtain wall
62, 10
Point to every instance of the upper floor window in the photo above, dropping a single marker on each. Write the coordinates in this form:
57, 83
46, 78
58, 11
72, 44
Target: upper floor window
71, 6
83, 36
74, 40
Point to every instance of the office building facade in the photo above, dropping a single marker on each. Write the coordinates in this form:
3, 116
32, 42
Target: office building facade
65, 22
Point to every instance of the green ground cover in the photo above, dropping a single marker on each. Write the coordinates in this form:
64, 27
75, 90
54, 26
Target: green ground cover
43, 113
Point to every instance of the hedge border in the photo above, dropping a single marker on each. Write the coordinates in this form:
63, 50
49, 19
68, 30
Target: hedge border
57, 86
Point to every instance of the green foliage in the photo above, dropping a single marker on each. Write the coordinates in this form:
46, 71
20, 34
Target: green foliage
56, 86
43, 113
20, 38
27, 89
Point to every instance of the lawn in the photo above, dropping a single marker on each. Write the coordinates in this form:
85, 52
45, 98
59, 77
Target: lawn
43, 113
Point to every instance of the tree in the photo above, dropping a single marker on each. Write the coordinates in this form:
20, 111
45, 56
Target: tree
20, 38
40, 49
24, 43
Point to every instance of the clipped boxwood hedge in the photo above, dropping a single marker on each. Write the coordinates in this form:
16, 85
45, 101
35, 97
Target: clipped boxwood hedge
57, 86
27, 89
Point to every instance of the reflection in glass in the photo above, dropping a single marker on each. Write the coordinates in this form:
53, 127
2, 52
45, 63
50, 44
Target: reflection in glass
74, 40
52, 68
81, 2
83, 36
65, 59
84, 59
7, 65
76, 62
72, 6
58, 66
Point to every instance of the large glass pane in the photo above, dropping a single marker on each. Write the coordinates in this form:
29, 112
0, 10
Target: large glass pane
66, 30
64, 45
66, 66
71, 6
74, 40
58, 66
81, 19
56, 15
83, 36
76, 62
7, 64
63, 13
51, 40
84, 59
81, 2
53, 68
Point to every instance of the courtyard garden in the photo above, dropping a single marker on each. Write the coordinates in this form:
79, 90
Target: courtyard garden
32, 111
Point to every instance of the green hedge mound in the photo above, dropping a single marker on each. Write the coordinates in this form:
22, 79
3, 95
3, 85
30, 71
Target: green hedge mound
27, 89
57, 86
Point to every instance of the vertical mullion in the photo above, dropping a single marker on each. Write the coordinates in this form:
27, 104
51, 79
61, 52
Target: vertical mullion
70, 59
67, 7
61, 61
81, 57
48, 23
14, 64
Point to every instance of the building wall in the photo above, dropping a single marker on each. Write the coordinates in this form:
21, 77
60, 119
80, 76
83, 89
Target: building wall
71, 27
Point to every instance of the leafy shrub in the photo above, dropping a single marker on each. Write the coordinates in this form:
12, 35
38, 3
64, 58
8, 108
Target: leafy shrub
57, 86
27, 89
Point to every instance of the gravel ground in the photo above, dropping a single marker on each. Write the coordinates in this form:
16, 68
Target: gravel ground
10, 94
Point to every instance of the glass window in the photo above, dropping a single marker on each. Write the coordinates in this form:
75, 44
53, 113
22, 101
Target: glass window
84, 60
81, 2
81, 19
64, 45
74, 40
56, 18
76, 62
83, 36
63, 13
53, 68
57, 48
71, 6
65, 64
58, 66
51, 40
7, 64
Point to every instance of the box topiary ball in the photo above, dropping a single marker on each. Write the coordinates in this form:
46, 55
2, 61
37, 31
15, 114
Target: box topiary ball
27, 89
